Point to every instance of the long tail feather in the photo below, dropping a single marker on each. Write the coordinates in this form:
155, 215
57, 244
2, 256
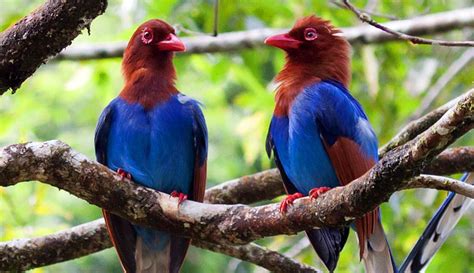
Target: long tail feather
438, 230
377, 255
167, 259
328, 243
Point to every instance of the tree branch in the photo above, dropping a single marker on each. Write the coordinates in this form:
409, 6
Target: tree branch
232, 41
86, 239
364, 17
40, 35
58, 165
82, 240
451, 161
441, 183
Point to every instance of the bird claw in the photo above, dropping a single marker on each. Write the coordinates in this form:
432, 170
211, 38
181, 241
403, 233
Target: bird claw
316, 192
181, 196
288, 201
123, 174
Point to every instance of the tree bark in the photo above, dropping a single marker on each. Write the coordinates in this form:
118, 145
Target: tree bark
41, 35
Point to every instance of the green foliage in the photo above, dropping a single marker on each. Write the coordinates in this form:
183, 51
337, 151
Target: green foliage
64, 99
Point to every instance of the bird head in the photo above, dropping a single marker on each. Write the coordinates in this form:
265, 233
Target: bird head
151, 45
315, 46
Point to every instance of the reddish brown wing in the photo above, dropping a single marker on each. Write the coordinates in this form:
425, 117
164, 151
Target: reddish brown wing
350, 163
199, 184
123, 238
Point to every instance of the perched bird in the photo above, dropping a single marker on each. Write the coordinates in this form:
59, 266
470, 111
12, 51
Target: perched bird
438, 230
320, 136
156, 136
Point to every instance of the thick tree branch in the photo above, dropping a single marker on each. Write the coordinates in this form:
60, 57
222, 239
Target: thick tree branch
248, 189
253, 253
56, 164
86, 239
24, 254
364, 17
40, 35
231, 41
451, 161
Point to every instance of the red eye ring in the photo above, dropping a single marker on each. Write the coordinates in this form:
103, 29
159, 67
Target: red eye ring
310, 34
147, 36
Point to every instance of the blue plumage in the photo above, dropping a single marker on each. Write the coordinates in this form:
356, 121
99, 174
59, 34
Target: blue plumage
157, 147
321, 137
323, 111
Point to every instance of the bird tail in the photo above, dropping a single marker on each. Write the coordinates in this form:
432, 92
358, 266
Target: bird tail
376, 254
438, 230
167, 259
328, 243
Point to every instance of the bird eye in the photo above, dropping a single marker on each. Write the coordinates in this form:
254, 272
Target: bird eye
147, 36
310, 34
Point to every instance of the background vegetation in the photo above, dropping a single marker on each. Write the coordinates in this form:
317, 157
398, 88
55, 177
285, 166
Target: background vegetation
64, 99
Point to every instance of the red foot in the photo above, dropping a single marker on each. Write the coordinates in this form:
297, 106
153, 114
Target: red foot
181, 196
288, 201
316, 192
124, 174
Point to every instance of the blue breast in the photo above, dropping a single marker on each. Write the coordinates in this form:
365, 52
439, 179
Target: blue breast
301, 151
155, 146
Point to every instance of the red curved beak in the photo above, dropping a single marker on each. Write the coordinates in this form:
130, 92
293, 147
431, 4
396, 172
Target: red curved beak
171, 43
283, 41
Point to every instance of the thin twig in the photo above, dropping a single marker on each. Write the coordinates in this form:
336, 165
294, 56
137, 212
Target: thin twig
216, 18
371, 12
364, 17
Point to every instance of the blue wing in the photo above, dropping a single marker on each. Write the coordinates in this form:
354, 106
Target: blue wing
121, 232
438, 230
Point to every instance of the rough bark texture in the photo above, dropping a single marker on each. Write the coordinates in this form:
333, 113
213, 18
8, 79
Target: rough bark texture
269, 259
423, 25
40, 35
248, 189
25, 254
455, 160
56, 164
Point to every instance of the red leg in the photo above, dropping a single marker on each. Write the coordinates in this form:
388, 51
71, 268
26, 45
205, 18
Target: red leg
124, 174
288, 201
316, 192
181, 196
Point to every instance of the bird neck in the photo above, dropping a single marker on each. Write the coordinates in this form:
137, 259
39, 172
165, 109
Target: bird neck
301, 71
149, 81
